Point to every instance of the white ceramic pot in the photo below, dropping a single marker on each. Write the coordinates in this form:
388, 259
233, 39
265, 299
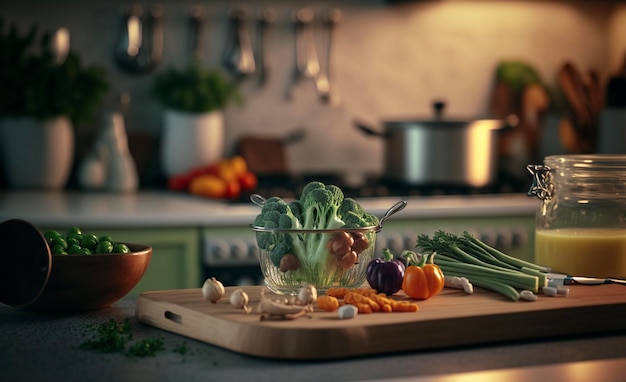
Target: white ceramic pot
190, 140
36, 154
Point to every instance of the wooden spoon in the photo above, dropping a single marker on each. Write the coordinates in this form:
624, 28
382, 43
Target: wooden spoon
573, 88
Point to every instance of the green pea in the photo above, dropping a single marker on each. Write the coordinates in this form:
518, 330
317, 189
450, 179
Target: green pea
104, 247
61, 242
121, 248
84, 251
105, 238
52, 234
89, 241
58, 250
75, 235
73, 241
73, 230
74, 249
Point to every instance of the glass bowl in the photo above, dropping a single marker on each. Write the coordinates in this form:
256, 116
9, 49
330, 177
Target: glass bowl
323, 258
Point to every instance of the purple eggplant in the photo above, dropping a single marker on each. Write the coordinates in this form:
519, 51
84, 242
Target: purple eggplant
386, 274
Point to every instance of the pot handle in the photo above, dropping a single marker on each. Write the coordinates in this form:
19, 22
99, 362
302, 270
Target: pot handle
364, 127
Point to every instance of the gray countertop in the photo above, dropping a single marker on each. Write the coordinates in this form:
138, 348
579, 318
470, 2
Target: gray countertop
154, 208
43, 347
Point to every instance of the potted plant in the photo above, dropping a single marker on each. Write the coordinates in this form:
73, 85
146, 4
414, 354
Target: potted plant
43, 98
193, 128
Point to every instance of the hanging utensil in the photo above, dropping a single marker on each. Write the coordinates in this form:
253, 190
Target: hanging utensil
265, 17
326, 87
60, 45
307, 62
132, 53
196, 27
239, 56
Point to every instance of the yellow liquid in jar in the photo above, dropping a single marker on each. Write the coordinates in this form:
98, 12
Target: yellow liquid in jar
599, 252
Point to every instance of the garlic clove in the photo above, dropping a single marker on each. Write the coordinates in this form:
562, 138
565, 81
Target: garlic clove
239, 299
307, 294
347, 311
212, 290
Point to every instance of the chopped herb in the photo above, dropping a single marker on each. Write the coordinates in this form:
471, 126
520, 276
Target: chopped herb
181, 349
117, 337
109, 337
146, 348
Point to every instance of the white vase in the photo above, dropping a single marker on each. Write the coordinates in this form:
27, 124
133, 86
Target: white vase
36, 154
191, 140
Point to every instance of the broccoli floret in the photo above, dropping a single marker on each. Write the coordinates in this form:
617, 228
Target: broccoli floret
321, 208
277, 253
371, 219
352, 220
348, 205
276, 213
296, 209
355, 216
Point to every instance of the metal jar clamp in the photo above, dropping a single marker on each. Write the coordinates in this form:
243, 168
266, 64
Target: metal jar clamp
542, 185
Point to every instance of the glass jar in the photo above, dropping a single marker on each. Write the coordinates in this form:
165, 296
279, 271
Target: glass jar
580, 224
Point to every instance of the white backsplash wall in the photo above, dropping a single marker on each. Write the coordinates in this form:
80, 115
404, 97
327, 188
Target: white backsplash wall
390, 61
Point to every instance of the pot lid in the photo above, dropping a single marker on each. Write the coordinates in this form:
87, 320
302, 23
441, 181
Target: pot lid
25, 263
439, 120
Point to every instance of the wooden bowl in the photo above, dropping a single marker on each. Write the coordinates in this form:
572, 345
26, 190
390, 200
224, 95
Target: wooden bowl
34, 279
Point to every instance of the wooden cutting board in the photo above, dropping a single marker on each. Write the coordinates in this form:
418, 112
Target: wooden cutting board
449, 319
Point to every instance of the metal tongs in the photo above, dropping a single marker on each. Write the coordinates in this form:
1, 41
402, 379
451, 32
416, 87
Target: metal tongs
259, 201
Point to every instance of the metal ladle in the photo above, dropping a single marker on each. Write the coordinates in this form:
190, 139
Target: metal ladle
306, 59
265, 17
132, 53
239, 55
325, 84
196, 27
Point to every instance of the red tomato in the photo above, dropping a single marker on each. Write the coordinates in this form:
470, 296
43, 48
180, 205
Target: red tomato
248, 181
179, 182
211, 169
233, 190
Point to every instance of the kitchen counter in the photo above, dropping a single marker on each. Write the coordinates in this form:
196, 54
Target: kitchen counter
154, 208
41, 347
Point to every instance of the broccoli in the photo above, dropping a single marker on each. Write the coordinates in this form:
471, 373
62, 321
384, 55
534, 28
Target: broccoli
319, 207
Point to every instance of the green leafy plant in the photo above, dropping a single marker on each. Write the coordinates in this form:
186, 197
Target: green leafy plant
195, 89
35, 85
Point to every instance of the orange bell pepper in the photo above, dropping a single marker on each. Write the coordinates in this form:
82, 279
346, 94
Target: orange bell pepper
422, 279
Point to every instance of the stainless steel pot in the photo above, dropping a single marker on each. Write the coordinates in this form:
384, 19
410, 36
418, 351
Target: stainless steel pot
440, 151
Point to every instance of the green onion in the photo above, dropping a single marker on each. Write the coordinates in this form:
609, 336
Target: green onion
484, 266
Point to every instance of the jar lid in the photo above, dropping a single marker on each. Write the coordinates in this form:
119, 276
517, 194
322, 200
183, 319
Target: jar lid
25, 263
